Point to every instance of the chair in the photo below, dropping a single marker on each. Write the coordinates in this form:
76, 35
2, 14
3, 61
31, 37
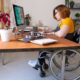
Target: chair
56, 59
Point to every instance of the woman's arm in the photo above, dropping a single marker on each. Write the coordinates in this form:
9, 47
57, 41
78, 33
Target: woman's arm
63, 31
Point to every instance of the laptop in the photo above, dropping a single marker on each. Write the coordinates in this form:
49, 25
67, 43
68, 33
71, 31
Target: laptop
44, 41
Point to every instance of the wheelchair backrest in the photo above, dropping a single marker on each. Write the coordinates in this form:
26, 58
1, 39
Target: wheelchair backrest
76, 36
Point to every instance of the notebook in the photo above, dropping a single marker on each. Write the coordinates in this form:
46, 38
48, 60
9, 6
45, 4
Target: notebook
44, 41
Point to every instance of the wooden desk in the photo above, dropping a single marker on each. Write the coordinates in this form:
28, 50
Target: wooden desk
15, 45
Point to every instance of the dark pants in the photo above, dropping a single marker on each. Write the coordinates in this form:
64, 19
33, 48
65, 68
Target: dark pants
41, 61
42, 56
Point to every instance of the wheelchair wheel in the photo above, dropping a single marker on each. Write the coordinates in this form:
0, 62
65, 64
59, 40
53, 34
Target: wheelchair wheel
72, 63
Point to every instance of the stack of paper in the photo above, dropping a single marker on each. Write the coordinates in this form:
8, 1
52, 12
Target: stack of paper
44, 41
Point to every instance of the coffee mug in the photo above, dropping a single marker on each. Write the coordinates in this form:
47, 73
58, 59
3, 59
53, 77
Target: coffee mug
35, 29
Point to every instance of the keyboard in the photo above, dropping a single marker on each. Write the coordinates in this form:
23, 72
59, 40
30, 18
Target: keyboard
25, 30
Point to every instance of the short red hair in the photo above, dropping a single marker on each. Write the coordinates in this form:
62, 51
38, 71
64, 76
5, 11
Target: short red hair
64, 11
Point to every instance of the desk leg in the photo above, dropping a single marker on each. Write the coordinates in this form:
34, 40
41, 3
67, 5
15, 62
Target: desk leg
2, 57
63, 65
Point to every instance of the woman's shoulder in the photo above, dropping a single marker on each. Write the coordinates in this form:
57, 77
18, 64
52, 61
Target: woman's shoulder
68, 19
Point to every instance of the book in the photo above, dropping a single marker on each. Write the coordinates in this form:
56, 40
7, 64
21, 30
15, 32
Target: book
44, 41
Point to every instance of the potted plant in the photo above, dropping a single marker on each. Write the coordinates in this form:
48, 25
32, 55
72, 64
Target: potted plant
6, 31
27, 19
72, 4
77, 15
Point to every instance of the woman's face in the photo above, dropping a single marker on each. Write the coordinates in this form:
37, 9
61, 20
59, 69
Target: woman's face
57, 15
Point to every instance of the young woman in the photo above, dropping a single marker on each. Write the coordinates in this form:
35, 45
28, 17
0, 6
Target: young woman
66, 26
65, 29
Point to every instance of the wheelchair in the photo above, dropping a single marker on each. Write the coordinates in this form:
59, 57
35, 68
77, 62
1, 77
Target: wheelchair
72, 63
54, 58
53, 61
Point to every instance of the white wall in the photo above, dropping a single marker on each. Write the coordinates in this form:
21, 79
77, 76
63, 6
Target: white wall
40, 10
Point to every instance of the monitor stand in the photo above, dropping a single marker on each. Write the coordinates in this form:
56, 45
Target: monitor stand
25, 28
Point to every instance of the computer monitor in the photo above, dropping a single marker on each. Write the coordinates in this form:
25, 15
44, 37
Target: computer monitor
19, 15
